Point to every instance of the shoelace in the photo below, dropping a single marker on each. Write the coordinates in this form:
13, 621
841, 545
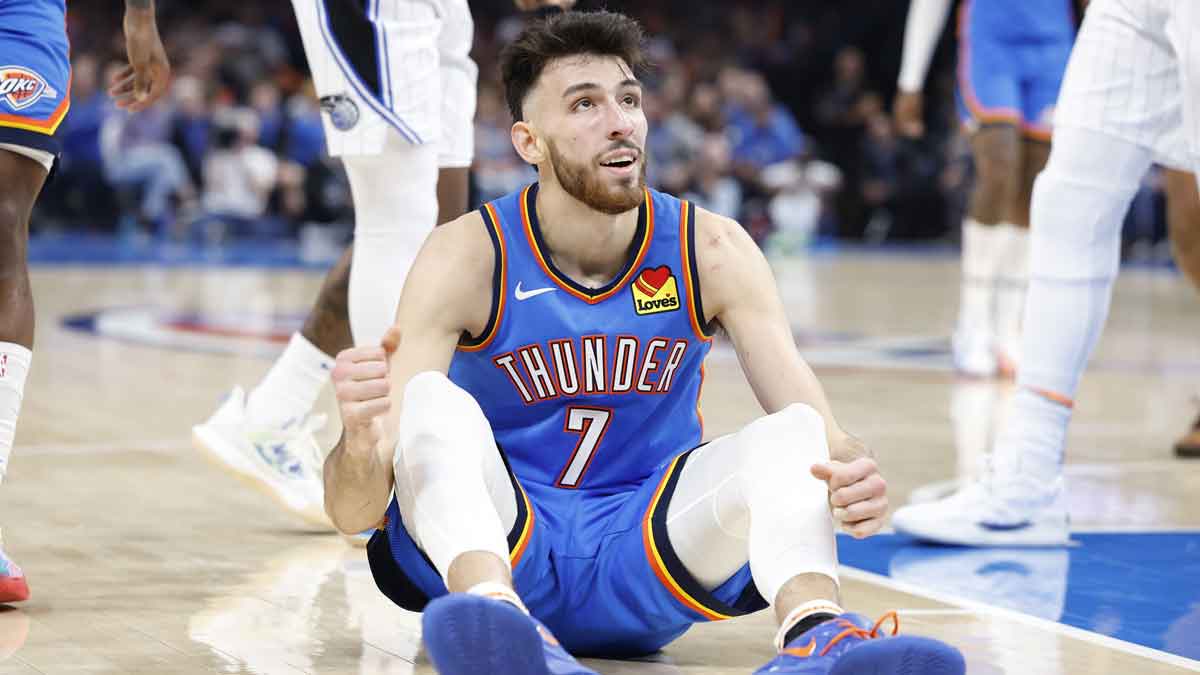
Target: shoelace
849, 629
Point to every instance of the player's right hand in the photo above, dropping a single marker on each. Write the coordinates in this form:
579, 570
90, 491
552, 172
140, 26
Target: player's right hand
909, 113
360, 382
530, 5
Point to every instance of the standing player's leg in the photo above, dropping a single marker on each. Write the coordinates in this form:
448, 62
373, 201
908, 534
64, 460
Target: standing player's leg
750, 498
1184, 213
268, 436
1012, 277
1101, 149
988, 97
1183, 227
22, 178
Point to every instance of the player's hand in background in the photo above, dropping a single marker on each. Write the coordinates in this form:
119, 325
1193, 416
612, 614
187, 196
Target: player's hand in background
857, 494
909, 113
360, 382
138, 85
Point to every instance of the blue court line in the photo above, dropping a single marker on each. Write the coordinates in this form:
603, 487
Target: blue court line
1141, 587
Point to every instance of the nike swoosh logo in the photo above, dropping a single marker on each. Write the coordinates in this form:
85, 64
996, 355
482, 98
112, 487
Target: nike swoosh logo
803, 652
525, 295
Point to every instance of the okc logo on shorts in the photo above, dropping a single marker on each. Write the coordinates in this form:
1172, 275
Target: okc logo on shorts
655, 291
22, 87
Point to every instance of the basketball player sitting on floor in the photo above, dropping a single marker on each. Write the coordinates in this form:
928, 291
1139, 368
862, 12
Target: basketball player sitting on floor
570, 322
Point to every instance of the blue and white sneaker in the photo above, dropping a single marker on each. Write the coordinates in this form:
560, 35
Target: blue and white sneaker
471, 635
283, 462
986, 514
851, 645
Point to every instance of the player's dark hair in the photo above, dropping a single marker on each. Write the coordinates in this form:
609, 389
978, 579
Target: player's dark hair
561, 35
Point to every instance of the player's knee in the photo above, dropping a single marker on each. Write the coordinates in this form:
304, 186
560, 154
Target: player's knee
784, 436
441, 422
1079, 204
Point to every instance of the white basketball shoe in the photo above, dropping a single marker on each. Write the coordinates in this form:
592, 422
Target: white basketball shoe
986, 514
284, 462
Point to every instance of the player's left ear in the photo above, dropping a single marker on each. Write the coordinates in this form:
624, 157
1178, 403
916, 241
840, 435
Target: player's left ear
526, 140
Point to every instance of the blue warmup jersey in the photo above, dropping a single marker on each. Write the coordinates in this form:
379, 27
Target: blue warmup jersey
1012, 56
35, 72
593, 397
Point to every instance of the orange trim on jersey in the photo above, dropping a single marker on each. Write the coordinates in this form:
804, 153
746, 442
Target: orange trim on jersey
656, 561
1053, 397
686, 252
647, 237
699, 391
980, 113
514, 557
47, 126
503, 262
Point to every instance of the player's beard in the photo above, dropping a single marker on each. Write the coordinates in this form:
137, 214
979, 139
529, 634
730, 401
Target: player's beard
584, 183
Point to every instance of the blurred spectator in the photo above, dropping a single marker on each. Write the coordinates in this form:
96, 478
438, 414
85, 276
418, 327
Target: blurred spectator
712, 186
239, 177
139, 161
498, 169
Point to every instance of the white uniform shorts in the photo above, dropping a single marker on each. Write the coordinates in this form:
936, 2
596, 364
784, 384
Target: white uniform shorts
1135, 74
392, 71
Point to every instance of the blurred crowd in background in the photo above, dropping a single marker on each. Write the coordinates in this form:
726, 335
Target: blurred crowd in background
773, 112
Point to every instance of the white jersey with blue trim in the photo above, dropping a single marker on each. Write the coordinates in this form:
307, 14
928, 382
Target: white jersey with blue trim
590, 389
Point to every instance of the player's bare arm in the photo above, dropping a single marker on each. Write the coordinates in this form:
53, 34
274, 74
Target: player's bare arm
447, 293
740, 293
138, 85
926, 18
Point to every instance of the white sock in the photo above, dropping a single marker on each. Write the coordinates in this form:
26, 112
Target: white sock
498, 591
980, 257
1012, 278
803, 612
14, 366
292, 385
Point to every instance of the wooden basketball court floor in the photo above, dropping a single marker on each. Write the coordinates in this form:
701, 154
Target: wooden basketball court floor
144, 558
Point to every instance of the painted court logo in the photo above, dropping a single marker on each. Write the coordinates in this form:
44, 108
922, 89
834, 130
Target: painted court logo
22, 87
655, 291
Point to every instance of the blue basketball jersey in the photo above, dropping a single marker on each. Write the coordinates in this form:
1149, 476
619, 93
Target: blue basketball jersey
1020, 20
590, 389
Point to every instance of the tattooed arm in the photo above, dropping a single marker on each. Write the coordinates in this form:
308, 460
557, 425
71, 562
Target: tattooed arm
145, 79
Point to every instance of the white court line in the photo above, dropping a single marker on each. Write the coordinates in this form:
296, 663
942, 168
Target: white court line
156, 446
1025, 619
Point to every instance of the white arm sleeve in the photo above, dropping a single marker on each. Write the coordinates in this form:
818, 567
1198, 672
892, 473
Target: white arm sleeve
921, 32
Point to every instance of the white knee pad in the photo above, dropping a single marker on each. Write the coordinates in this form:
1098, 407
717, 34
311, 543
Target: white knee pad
791, 529
453, 490
1079, 204
395, 208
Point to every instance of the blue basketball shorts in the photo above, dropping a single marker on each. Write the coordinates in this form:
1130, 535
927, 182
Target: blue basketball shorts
1005, 82
597, 569
35, 73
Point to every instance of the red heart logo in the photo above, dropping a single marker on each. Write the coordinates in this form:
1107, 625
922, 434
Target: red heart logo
652, 280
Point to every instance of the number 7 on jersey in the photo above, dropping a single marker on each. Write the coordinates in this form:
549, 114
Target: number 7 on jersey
590, 424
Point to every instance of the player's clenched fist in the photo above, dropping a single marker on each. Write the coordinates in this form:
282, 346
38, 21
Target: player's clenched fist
360, 380
857, 494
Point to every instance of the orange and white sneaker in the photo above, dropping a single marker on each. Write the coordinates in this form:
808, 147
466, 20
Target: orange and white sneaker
13, 587
851, 645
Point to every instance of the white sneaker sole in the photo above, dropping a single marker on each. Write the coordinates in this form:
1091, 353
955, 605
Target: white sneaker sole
217, 451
